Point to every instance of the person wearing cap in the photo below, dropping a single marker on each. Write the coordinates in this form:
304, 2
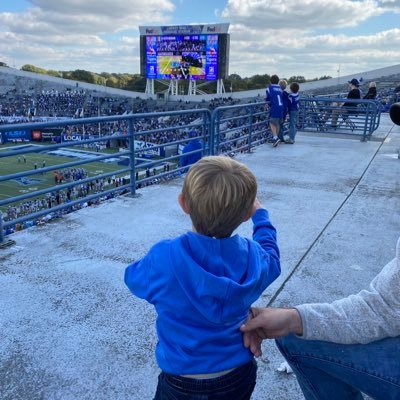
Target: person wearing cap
353, 94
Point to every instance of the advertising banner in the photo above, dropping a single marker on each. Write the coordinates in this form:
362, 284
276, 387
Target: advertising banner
17, 136
184, 29
145, 150
51, 134
71, 138
36, 135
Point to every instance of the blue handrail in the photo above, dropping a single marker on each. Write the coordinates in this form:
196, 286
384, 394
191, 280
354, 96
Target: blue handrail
226, 130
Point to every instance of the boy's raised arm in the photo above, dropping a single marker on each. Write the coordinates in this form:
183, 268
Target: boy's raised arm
265, 234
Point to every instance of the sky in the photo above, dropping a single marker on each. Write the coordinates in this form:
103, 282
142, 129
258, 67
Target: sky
311, 38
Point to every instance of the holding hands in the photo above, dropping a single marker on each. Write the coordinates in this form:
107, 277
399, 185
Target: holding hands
269, 323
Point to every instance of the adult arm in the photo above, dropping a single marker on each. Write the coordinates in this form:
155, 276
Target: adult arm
370, 315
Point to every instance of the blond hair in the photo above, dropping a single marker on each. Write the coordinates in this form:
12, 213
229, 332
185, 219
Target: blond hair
219, 194
282, 84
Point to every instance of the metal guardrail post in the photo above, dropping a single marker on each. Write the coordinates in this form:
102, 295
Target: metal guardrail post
206, 151
132, 157
3, 241
250, 128
1, 228
367, 113
214, 136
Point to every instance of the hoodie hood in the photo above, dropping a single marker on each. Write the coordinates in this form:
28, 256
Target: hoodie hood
220, 277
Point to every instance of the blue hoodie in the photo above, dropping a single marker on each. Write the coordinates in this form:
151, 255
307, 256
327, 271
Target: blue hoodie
202, 289
294, 99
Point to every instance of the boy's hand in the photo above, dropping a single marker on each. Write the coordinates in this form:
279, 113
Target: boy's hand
256, 205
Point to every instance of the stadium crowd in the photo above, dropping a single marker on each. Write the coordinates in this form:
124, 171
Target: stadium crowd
17, 106
70, 194
180, 46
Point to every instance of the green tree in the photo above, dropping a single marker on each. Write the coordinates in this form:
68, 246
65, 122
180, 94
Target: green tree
136, 83
57, 74
112, 81
298, 79
236, 82
32, 68
258, 81
82, 76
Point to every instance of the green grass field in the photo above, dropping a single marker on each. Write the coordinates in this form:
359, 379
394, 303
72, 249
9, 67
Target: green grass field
10, 165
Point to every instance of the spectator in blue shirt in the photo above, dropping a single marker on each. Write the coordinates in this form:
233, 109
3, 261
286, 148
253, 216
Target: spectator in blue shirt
194, 145
274, 101
293, 108
285, 101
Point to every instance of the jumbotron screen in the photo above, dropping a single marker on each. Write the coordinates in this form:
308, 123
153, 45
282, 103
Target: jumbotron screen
182, 57
184, 52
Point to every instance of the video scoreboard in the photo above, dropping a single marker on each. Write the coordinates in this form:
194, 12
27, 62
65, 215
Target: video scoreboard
185, 52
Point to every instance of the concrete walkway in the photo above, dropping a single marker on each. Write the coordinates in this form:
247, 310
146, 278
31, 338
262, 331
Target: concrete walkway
69, 328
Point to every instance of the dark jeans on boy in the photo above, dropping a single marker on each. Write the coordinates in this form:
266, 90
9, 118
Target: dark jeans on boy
237, 384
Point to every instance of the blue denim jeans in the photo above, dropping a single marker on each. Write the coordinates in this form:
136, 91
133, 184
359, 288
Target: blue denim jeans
292, 124
327, 371
238, 384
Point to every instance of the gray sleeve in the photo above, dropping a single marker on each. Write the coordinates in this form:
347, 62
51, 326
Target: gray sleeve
370, 315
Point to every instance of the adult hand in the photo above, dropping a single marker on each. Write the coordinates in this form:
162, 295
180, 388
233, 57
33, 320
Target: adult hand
269, 323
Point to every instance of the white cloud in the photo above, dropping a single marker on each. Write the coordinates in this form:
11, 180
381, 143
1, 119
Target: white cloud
307, 14
129, 40
72, 34
267, 36
295, 53
90, 16
283, 36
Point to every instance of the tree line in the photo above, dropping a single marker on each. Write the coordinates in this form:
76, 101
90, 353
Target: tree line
137, 83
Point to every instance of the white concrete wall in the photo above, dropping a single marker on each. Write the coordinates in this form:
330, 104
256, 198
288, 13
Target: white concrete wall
367, 75
72, 84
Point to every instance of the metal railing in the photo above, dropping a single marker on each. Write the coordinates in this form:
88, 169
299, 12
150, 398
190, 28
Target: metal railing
161, 136
326, 114
125, 178
239, 128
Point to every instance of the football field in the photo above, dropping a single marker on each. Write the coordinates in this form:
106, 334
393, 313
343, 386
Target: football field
167, 65
32, 183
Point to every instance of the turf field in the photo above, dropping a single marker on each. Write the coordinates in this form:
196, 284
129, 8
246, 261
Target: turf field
11, 165
168, 64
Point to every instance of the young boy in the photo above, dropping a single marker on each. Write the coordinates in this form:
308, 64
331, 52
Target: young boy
293, 108
203, 283
274, 100
285, 101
